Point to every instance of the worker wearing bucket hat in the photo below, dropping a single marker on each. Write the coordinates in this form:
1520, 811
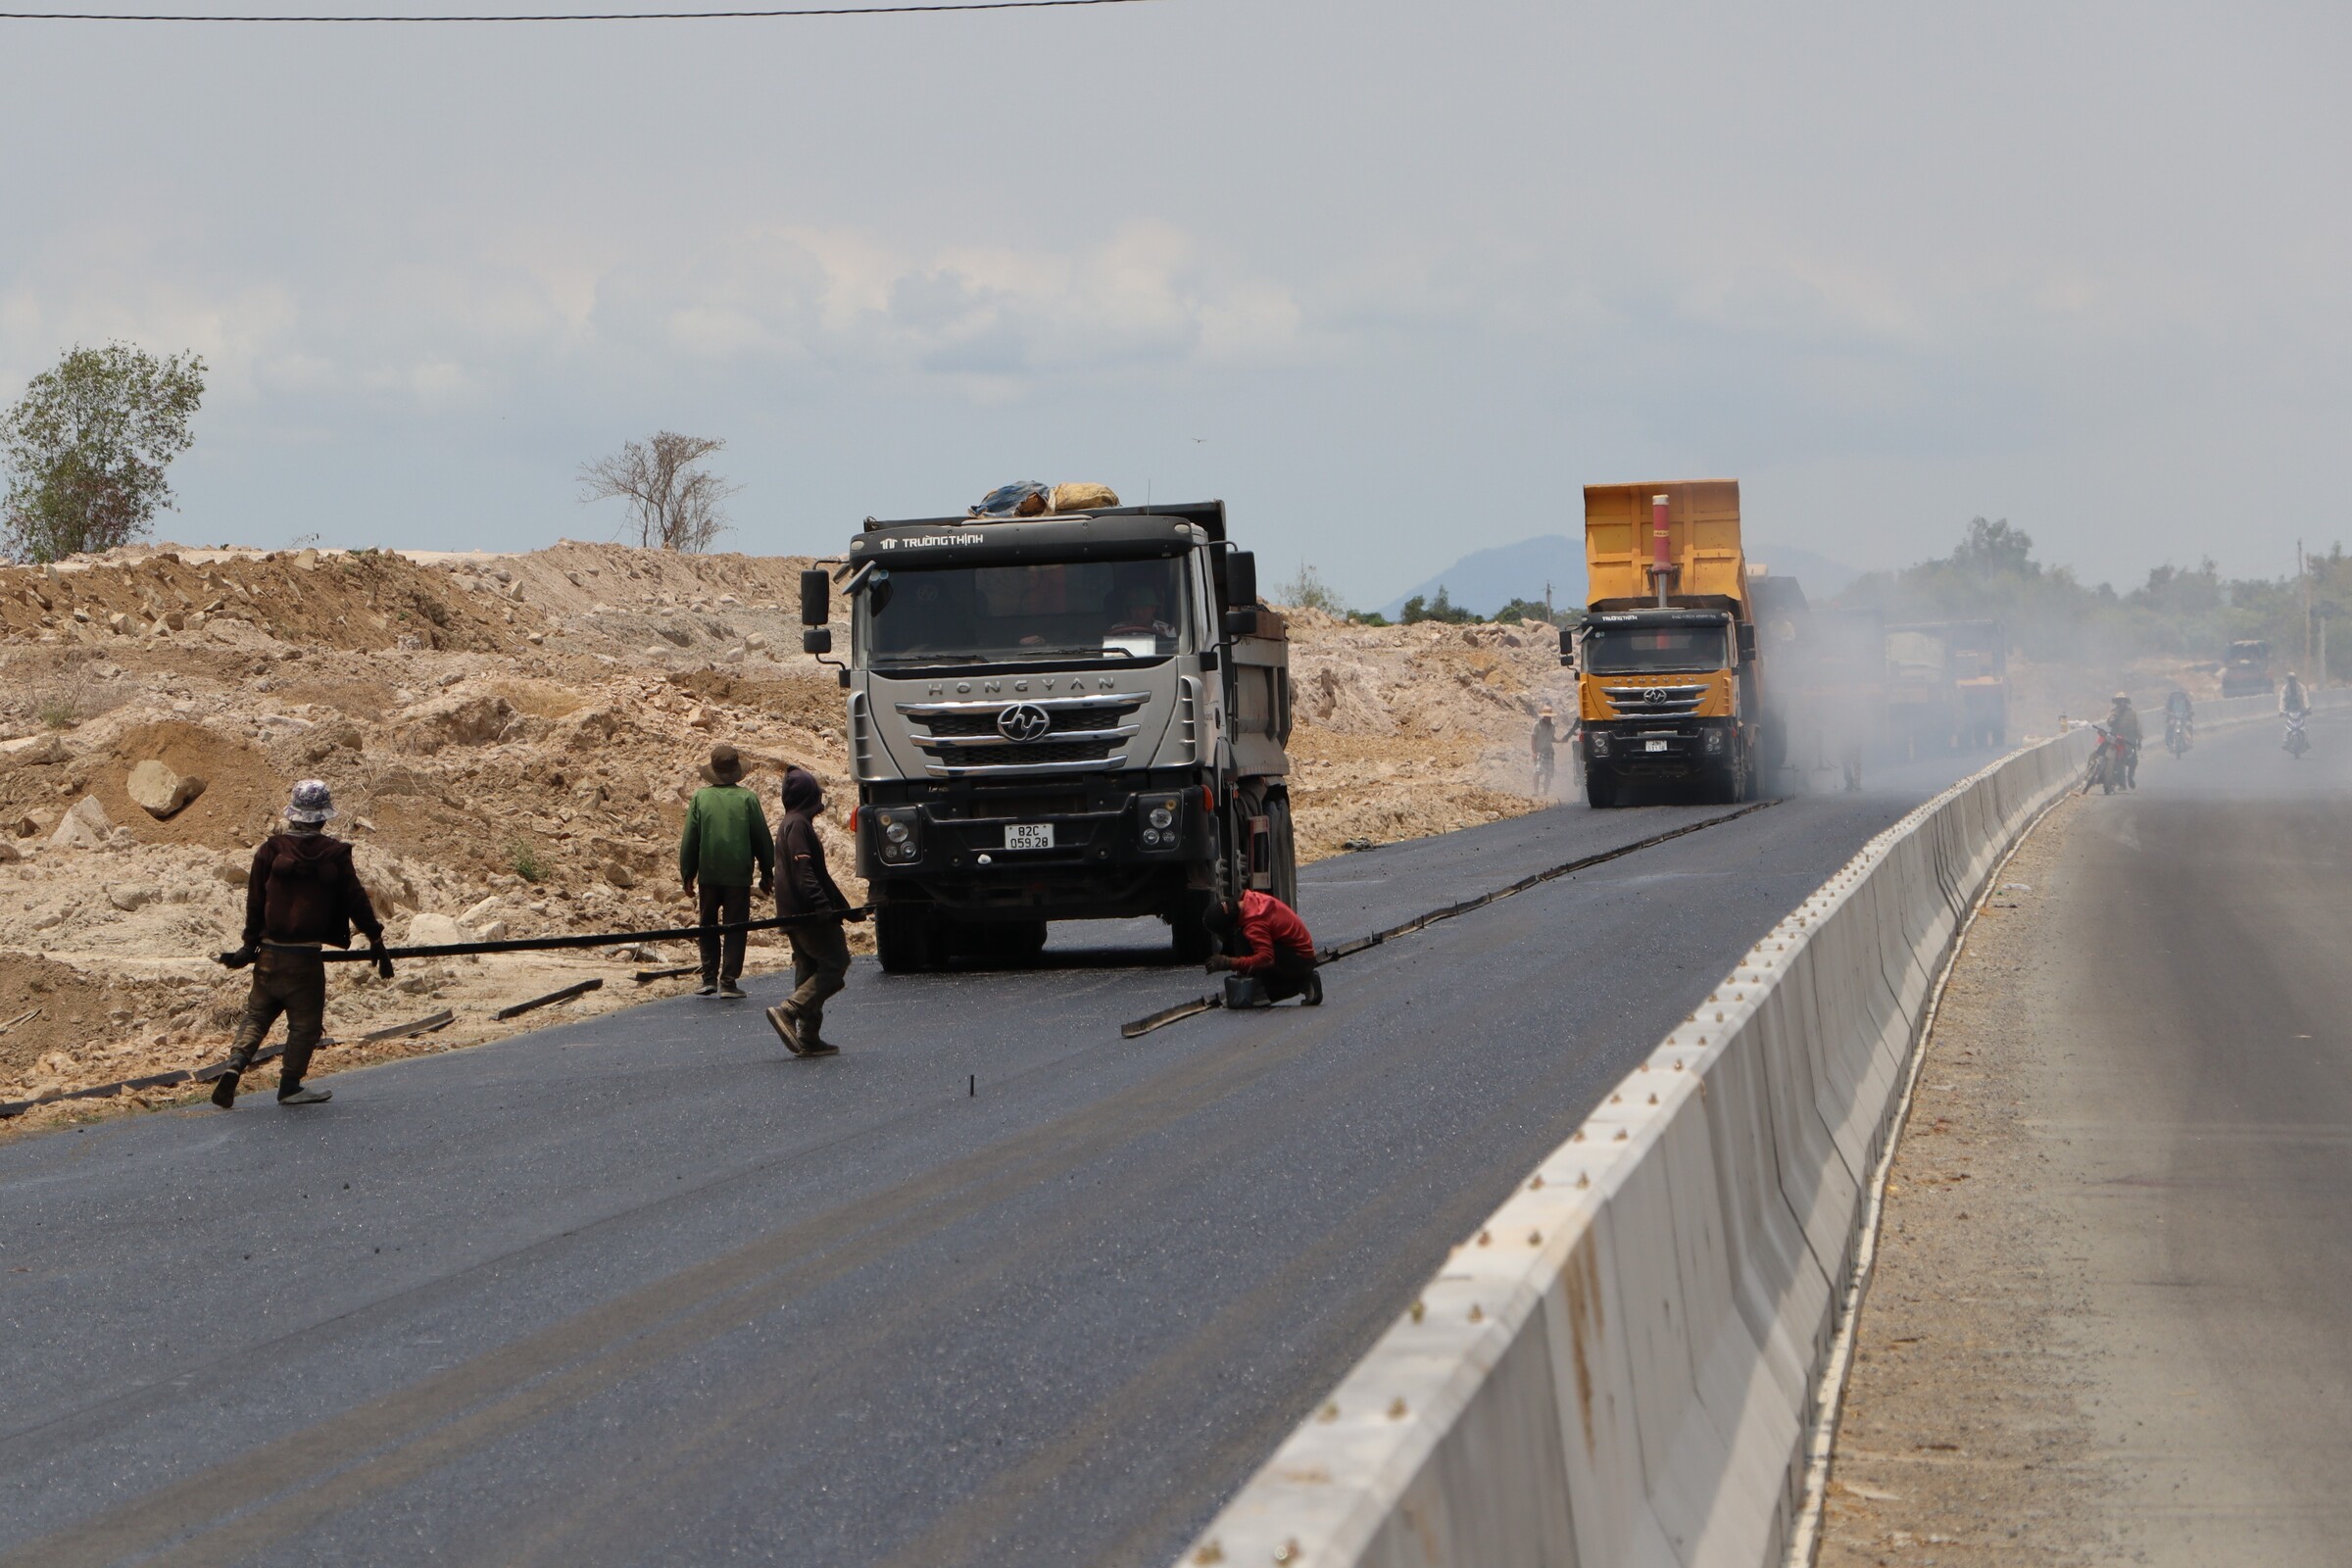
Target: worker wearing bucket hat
303, 893
725, 845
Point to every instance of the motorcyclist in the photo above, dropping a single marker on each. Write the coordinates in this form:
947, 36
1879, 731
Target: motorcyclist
2294, 703
2182, 714
2123, 722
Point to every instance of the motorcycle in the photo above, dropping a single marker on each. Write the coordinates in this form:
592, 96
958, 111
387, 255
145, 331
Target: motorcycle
2296, 744
2110, 762
2177, 736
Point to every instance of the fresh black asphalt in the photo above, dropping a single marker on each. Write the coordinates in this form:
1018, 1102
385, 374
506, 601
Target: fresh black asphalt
643, 1289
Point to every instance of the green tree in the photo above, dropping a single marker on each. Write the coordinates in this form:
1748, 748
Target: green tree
1441, 607
85, 448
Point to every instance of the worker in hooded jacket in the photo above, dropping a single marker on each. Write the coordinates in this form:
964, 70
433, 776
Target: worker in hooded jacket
302, 893
821, 953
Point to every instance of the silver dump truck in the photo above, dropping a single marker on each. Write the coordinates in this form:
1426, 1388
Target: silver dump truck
1064, 718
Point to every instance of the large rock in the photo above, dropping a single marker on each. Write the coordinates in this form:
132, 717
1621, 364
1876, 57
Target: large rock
435, 931
129, 895
30, 750
83, 826
160, 792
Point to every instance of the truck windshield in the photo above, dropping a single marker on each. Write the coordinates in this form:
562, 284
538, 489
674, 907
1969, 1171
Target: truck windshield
1003, 614
1649, 650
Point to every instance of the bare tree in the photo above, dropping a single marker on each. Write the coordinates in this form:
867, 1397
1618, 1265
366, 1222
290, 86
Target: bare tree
674, 504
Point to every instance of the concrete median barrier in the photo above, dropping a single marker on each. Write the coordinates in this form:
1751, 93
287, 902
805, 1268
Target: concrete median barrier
1623, 1364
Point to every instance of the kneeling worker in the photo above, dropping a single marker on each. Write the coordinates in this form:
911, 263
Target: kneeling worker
820, 954
303, 892
1266, 942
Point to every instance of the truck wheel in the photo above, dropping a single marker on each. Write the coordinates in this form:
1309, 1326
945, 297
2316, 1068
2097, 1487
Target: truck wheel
907, 939
1286, 849
1600, 789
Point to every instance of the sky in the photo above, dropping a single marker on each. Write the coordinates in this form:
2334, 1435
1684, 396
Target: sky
1393, 279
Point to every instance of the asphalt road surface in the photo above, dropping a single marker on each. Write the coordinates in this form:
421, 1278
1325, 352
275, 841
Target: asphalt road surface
645, 1289
2201, 1126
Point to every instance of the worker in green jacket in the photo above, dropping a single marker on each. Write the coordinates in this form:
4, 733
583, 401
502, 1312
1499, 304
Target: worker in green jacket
725, 845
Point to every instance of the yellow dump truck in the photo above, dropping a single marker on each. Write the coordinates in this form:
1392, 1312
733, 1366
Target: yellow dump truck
1670, 684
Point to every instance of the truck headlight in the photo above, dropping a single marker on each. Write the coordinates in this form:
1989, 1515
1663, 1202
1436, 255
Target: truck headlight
1596, 742
1161, 816
896, 832
1714, 741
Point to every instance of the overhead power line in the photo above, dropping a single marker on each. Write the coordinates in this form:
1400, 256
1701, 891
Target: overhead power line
595, 16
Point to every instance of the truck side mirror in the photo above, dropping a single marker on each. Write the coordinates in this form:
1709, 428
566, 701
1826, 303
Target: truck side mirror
817, 597
1568, 646
1241, 579
1241, 622
817, 640
1747, 640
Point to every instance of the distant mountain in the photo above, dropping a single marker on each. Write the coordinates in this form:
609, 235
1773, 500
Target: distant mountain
1485, 580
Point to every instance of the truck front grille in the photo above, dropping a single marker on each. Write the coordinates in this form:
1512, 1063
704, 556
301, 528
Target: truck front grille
1654, 702
961, 738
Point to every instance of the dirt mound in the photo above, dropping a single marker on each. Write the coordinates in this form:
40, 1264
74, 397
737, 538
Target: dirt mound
361, 600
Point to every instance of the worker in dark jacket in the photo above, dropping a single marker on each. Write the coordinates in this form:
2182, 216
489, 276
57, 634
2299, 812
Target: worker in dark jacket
821, 953
724, 846
302, 892
1264, 940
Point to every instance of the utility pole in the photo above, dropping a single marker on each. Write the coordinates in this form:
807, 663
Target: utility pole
2303, 577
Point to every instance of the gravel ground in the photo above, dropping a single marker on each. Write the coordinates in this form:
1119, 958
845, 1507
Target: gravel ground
1967, 1436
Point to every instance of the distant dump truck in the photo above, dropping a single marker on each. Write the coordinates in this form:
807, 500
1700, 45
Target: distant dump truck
1670, 681
1948, 686
2246, 670
1067, 717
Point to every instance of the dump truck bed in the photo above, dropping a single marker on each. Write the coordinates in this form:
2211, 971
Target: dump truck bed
1702, 524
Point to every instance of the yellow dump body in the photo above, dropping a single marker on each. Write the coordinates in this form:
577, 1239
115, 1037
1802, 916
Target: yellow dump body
1702, 533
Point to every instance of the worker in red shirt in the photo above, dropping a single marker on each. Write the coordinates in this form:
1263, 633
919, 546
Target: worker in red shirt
1265, 941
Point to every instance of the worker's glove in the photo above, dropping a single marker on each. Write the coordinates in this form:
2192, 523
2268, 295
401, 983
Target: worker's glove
1219, 963
384, 963
237, 957
689, 890
856, 916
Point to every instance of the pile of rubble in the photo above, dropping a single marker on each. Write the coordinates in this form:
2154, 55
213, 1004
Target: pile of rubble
512, 741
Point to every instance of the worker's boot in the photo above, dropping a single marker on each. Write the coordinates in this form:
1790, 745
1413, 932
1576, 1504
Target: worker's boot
225, 1086
781, 1019
1312, 996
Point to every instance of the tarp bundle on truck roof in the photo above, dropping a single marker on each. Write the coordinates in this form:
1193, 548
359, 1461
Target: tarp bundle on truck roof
1033, 497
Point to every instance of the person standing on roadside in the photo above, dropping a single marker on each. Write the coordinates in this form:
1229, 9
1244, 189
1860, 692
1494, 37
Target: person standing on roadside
2123, 722
303, 893
1541, 744
821, 952
724, 846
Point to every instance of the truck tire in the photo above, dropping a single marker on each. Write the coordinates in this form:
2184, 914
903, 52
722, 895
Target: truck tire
1286, 848
1600, 788
907, 939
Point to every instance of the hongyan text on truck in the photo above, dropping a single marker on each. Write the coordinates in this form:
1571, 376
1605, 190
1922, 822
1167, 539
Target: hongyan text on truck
1059, 718
1670, 685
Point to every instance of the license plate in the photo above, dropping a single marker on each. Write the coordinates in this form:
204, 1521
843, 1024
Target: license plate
1029, 836
1653, 745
